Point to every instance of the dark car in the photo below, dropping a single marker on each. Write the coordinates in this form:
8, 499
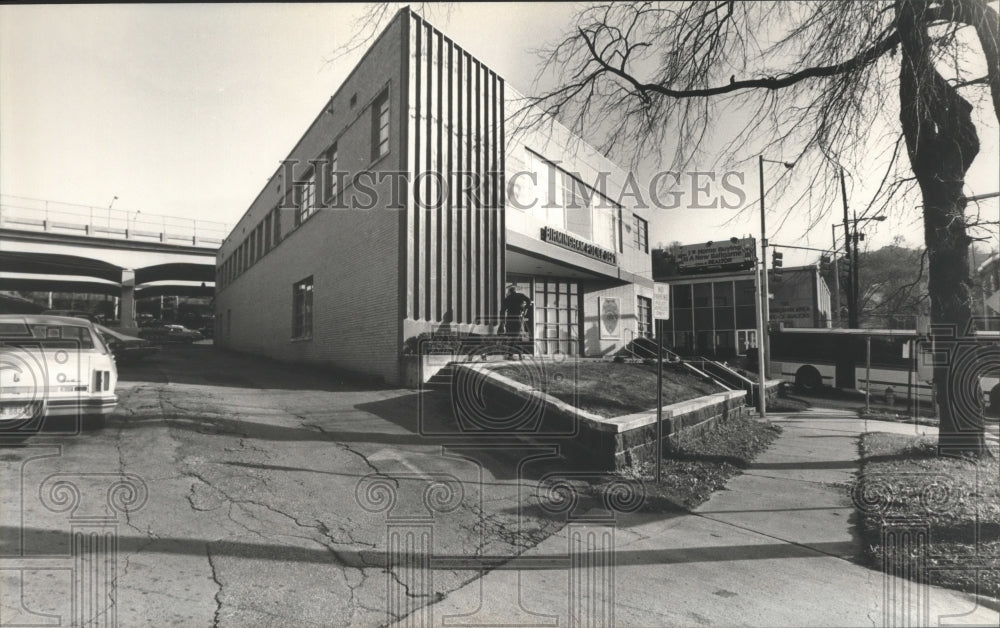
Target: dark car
126, 348
170, 333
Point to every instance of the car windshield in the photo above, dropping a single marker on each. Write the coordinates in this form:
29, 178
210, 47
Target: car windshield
46, 335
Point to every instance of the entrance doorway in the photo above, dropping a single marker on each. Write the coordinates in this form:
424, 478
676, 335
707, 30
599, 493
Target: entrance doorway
555, 325
745, 339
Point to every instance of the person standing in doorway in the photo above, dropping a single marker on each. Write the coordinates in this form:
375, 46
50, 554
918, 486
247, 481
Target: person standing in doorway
513, 314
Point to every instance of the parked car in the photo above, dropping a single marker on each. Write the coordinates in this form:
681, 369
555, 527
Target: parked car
90, 316
169, 333
53, 366
126, 348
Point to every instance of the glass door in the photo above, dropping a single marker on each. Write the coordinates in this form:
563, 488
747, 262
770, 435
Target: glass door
557, 317
745, 339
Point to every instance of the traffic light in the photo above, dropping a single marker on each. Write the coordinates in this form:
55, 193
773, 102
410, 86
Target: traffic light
824, 263
777, 260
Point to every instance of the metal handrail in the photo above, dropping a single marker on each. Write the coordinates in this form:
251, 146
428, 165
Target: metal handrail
30, 214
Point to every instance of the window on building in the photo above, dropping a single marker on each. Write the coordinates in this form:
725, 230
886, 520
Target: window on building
380, 125
644, 317
547, 203
267, 232
277, 225
307, 199
562, 200
302, 305
640, 234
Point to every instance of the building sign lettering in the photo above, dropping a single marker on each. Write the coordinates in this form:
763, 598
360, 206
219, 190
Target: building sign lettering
716, 256
577, 245
793, 315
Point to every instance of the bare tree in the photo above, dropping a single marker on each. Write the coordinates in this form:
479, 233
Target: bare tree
821, 77
839, 83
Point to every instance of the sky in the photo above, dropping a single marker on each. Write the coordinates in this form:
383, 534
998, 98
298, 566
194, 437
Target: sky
186, 110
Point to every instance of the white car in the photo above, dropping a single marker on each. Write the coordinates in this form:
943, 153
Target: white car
53, 366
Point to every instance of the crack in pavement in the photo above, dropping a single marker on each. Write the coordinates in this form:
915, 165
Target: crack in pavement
218, 583
331, 438
251, 504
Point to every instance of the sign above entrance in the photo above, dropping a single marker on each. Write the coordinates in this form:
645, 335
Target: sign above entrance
732, 254
577, 245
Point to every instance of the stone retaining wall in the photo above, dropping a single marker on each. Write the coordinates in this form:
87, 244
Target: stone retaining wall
590, 441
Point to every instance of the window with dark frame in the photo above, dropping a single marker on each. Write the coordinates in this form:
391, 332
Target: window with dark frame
640, 234
302, 303
306, 191
644, 317
380, 125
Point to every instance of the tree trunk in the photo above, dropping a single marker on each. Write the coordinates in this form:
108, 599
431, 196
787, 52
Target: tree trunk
941, 142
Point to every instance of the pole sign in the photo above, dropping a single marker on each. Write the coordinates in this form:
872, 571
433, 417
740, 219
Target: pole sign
661, 300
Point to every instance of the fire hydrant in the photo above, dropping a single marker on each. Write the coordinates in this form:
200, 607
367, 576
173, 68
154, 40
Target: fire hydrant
890, 395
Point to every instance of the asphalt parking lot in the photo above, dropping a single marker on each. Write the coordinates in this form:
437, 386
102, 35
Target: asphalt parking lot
230, 490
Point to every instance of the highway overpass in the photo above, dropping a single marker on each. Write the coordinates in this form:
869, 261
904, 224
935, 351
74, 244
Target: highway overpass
49, 246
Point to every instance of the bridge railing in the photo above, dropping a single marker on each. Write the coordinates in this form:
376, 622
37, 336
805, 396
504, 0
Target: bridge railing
29, 214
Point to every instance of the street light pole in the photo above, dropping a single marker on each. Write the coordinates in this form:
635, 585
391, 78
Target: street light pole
761, 379
765, 299
765, 294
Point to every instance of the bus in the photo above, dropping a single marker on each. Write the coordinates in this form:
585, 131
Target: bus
875, 360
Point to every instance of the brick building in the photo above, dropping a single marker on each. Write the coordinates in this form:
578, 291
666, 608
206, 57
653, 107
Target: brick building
408, 205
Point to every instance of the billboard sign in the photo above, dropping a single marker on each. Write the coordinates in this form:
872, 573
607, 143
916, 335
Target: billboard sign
732, 254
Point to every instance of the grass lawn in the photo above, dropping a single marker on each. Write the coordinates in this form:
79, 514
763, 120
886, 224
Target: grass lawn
704, 463
608, 389
958, 497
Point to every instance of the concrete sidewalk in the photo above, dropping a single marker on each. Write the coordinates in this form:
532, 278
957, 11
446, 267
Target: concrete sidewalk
774, 549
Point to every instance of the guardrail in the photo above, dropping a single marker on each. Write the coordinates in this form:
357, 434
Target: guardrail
29, 214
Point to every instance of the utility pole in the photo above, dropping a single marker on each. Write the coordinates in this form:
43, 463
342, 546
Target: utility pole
856, 278
852, 315
837, 319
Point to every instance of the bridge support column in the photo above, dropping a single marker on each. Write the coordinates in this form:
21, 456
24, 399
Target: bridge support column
128, 299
